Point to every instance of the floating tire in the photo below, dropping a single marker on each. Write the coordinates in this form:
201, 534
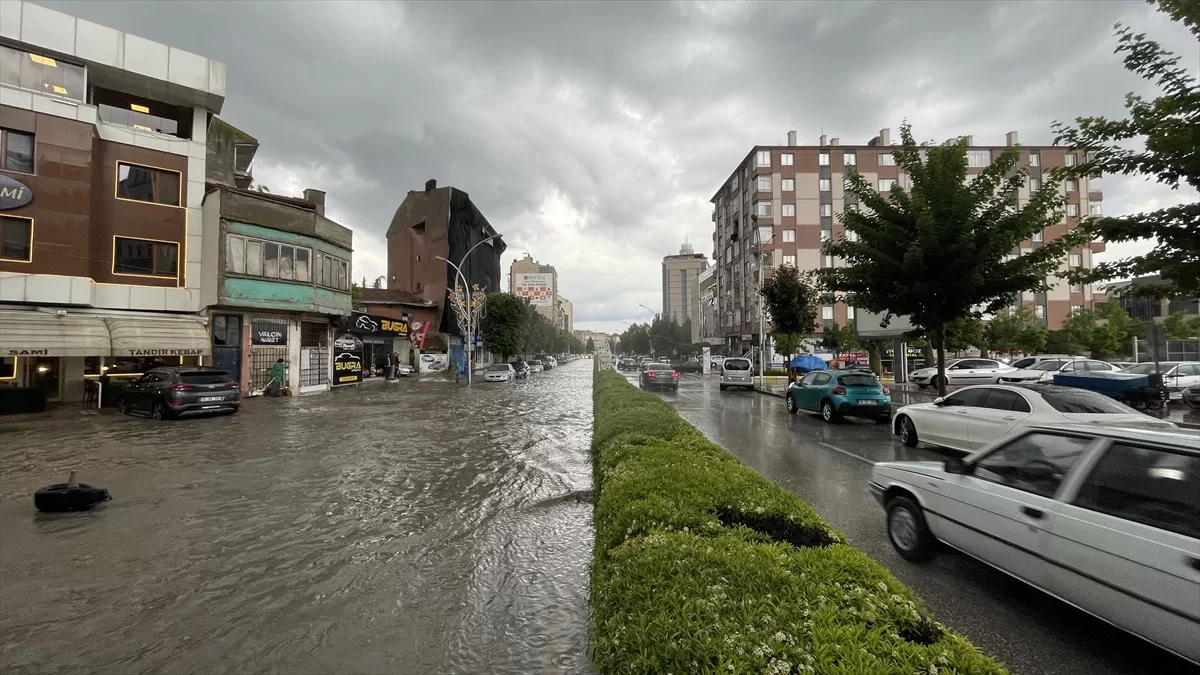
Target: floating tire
60, 497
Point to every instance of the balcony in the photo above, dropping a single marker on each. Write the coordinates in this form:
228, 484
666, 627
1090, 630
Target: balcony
1095, 195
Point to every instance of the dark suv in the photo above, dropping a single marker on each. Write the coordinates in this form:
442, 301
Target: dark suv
179, 391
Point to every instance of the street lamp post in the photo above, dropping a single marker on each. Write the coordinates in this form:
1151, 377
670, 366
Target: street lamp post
470, 341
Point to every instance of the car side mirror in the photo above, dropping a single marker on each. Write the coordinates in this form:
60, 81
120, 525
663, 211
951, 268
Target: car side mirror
939, 401
956, 465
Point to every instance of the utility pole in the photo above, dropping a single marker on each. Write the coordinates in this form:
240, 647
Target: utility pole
469, 343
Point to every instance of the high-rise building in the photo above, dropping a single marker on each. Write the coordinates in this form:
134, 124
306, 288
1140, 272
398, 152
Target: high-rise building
783, 201
538, 283
681, 287
567, 308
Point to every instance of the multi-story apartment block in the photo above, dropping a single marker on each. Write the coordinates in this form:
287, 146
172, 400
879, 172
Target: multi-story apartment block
538, 283
709, 329
102, 169
681, 287
782, 202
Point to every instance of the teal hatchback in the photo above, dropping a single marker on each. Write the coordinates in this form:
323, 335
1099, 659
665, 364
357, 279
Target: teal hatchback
834, 394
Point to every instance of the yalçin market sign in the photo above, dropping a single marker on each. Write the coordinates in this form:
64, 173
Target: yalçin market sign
13, 194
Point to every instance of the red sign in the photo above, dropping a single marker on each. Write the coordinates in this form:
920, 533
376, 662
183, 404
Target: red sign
418, 332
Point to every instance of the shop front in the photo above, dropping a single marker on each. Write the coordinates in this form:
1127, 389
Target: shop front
268, 344
376, 337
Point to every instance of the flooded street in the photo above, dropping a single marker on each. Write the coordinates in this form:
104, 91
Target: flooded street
415, 527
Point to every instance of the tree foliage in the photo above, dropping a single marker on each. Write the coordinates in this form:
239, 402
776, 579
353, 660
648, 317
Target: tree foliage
542, 336
1016, 330
1182, 326
635, 339
1170, 127
839, 339
787, 344
591, 346
790, 299
505, 324
1106, 332
941, 249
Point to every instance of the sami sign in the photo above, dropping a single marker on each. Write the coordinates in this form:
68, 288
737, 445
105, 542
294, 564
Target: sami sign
371, 324
347, 360
13, 194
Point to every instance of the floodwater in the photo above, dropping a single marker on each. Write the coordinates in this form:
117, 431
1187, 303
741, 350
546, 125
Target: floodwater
415, 527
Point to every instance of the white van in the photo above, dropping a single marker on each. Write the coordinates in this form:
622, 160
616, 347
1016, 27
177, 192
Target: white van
736, 372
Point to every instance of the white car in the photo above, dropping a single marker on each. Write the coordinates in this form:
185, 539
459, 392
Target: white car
499, 372
553, 361
973, 417
404, 370
962, 371
736, 372
1104, 518
1030, 361
535, 366
1177, 375
1045, 371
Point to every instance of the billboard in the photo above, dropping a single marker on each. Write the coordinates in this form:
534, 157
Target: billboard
868, 326
538, 289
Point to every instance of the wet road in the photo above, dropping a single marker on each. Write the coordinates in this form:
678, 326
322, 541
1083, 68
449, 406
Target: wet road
415, 527
829, 465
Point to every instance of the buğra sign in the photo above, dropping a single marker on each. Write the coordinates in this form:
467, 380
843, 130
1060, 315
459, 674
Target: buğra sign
13, 194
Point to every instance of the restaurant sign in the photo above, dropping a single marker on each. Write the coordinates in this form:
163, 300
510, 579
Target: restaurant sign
13, 194
158, 352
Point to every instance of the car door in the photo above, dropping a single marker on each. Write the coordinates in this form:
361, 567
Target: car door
804, 392
1185, 375
1000, 509
1092, 366
143, 394
1126, 545
997, 415
985, 371
948, 423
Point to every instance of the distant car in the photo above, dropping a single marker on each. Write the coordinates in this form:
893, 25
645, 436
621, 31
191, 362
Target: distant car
521, 368
961, 372
404, 370
659, 376
1045, 371
499, 372
1177, 375
1123, 364
627, 364
178, 391
535, 366
1106, 518
1030, 361
715, 362
973, 417
735, 372
835, 393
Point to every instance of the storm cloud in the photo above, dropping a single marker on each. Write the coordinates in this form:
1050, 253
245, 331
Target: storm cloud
594, 134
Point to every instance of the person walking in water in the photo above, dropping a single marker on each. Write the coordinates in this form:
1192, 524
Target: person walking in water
276, 378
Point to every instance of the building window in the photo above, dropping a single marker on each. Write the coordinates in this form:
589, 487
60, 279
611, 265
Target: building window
849, 313
850, 158
1076, 308
789, 260
824, 185
851, 236
26, 70
787, 159
1035, 184
826, 235
789, 236
789, 210
1070, 160
1035, 159
256, 257
826, 261
1076, 288
1038, 236
762, 209
789, 185
1094, 209
886, 159
1039, 311
764, 235
827, 209
16, 239
823, 159
335, 273
827, 313
764, 183
979, 158
885, 184
145, 257
1074, 260
16, 151
148, 184
764, 158
1072, 209
1071, 185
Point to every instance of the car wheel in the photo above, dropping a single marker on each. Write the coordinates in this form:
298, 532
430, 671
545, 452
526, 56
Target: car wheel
791, 405
158, 412
828, 413
907, 530
922, 386
936, 382
907, 431
122, 407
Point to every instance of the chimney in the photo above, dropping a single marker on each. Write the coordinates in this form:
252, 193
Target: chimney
791, 138
317, 198
835, 141
1010, 139
970, 140
430, 185
885, 136
824, 141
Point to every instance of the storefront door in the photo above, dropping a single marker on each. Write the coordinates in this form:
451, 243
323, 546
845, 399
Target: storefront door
227, 344
44, 372
314, 355
268, 344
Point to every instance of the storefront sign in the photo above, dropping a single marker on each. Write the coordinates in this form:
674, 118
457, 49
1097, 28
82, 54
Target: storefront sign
419, 330
159, 352
435, 363
372, 324
268, 334
347, 360
29, 352
13, 194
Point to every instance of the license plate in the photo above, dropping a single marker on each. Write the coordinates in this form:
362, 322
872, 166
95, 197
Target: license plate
865, 402
210, 399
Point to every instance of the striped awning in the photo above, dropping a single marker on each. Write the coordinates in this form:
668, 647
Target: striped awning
47, 333
159, 336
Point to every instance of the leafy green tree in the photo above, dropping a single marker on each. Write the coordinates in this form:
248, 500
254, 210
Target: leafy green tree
590, 347
966, 332
635, 339
1182, 326
840, 339
1170, 127
940, 249
1077, 331
668, 338
505, 324
787, 344
1114, 337
1016, 329
790, 301
1062, 342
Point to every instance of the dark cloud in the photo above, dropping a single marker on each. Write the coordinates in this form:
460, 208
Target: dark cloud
593, 133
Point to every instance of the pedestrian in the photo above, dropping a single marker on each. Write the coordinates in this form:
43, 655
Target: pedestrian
391, 366
276, 378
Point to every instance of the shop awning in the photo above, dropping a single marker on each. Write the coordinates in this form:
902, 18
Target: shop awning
184, 336
37, 333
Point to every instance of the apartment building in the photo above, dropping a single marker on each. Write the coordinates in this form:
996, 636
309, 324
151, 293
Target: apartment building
538, 283
783, 201
681, 287
102, 170
709, 327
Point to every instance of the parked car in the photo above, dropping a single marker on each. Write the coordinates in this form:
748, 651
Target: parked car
177, 391
1177, 375
1191, 397
1106, 518
1045, 371
973, 417
962, 371
735, 372
693, 367
716, 362
835, 393
627, 364
552, 361
1123, 364
1029, 361
521, 368
659, 376
404, 370
499, 372
535, 366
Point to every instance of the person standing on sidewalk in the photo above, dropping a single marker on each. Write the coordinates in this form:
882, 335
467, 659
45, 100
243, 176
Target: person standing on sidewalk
277, 375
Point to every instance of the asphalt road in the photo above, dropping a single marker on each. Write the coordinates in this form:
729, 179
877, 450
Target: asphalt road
828, 466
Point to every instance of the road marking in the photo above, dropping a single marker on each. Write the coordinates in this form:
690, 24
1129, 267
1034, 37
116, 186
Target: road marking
845, 452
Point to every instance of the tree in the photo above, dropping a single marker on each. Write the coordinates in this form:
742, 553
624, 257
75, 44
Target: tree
505, 324
790, 300
1062, 342
966, 332
787, 344
667, 337
839, 339
1016, 330
1114, 337
355, 295
1170, 125
591, 346
1182, 326
635, 339
940, 250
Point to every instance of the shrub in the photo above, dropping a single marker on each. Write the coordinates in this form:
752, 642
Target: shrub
776, 372
702, 565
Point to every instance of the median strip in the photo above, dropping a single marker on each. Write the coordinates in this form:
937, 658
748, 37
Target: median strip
702, 565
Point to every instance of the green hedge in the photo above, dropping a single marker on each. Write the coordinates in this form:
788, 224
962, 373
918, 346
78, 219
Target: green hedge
694, 572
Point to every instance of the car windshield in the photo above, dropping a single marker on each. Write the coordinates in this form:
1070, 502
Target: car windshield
1148, 368
1047, 365
205, 377
658, 366
1085, 402
736, 364
859, 380
499, 367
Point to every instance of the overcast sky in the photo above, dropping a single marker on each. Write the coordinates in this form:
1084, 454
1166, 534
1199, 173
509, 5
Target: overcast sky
593, 135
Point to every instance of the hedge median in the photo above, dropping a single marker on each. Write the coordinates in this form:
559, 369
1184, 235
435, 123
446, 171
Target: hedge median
703, 566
